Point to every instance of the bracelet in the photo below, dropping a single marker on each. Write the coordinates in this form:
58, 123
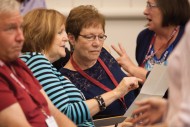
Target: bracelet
101, 102
116, 125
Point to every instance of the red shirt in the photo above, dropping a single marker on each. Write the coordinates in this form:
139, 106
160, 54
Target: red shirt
11, 92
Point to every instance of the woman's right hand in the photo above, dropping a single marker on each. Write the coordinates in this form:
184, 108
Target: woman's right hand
127, 84
123, 60
127, 64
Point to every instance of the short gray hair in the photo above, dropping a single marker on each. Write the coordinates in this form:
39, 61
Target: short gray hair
9, 6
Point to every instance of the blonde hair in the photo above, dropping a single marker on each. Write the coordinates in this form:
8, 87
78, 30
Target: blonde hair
40, 27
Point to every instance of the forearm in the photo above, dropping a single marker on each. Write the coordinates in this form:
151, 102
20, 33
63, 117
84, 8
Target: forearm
108, 97
9, 117
127, 84
60, 118
138, 72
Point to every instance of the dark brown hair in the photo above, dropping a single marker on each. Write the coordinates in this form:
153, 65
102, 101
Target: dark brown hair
175, 12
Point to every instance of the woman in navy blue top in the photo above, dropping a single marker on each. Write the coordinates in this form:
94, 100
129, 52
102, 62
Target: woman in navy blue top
97, 72
165, 27
91, 68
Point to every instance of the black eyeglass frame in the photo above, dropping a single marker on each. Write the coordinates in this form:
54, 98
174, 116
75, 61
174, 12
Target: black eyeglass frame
101, 37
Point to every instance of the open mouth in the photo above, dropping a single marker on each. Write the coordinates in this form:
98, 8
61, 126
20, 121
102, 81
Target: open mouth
149, 20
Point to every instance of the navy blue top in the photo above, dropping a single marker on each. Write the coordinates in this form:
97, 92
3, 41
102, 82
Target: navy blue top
144, 39
97, 72
143, 42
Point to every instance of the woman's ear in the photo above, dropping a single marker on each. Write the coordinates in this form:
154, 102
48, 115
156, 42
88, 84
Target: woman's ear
71, 41
71, 38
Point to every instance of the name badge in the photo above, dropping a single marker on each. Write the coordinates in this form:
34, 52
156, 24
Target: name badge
50, 121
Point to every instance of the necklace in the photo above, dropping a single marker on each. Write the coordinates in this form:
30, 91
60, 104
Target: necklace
147, 57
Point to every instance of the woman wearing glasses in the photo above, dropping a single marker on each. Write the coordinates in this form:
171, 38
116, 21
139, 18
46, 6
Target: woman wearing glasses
166, 21
91, 67
45, 39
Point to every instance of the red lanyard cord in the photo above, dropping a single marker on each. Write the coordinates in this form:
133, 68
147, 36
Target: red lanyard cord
96, 82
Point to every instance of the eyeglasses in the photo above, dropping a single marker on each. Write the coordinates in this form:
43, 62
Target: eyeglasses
151, 5
93, 37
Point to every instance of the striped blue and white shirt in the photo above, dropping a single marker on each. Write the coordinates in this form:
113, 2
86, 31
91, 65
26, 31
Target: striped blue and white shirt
64, 95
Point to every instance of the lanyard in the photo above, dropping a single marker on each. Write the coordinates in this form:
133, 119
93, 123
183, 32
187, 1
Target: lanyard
13, 76
96, 82
147, 57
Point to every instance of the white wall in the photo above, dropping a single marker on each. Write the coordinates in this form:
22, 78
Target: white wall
110, 8
124, 31
124, 19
